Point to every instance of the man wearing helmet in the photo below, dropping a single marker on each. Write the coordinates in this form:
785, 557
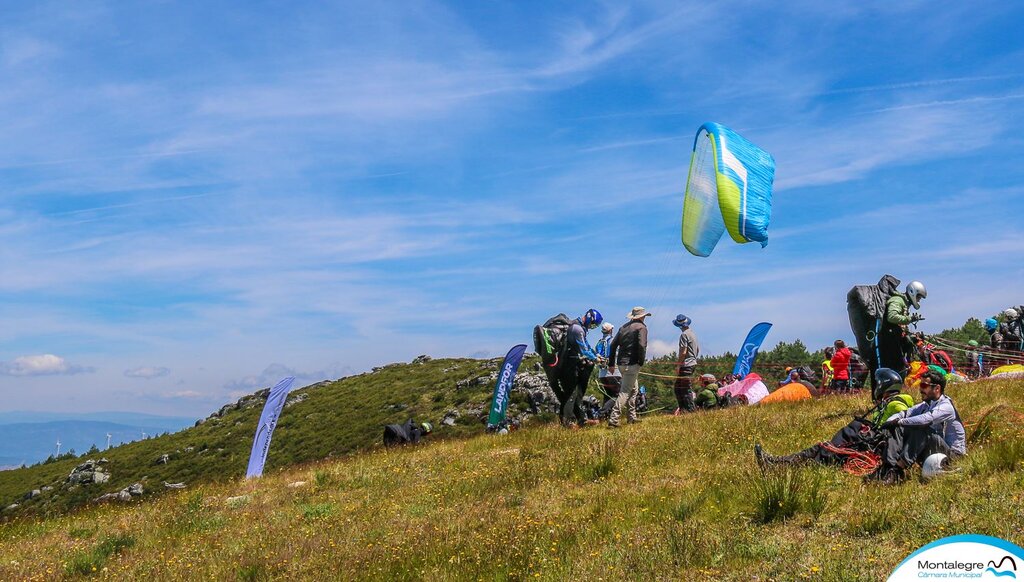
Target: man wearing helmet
579, 364
859, 435
895, 348
997, 341
1011, 329
686, 363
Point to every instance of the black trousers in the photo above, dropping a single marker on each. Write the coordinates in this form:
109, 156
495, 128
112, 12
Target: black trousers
851, 436
611, 385
573, 379
684, 395
913, 444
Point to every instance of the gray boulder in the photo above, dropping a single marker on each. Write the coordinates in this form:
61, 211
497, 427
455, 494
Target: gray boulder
295, 399
88, 472
450, 417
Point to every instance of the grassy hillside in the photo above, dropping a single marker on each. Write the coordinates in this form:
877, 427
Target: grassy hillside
671, 498
320, 421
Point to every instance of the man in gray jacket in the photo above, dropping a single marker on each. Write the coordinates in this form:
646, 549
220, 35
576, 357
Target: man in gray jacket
933, 426
628, 352
686, 363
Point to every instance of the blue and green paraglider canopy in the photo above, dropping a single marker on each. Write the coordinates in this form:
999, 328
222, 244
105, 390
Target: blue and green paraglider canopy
729, 188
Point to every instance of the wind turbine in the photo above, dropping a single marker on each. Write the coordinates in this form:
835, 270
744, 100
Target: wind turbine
58, 448
108, 441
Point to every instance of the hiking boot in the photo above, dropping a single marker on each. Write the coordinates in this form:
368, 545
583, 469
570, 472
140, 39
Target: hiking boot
759, 455
613, 425
764, 460
592, 422
635, 421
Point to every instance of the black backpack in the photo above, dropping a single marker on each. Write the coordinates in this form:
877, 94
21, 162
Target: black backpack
549, 339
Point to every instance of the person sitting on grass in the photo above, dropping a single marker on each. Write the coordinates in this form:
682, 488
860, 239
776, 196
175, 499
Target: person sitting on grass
706, 396
859, 436
933, 426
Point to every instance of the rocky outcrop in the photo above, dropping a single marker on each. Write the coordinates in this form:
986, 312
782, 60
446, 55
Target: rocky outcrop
173, 485
126, 494
295, 399
422, 359
485, 380
89, 472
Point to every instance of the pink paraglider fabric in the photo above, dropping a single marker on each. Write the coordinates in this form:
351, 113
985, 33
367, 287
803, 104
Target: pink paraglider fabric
751, 387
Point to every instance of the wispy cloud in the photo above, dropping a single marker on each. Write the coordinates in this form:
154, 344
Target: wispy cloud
147, 372
41, 365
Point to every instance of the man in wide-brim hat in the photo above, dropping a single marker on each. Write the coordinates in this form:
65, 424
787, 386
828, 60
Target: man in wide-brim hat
628, 352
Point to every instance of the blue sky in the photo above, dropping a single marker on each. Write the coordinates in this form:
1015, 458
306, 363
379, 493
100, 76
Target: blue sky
198, 199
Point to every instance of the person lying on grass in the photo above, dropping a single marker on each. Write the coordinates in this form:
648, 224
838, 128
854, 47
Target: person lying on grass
860, 436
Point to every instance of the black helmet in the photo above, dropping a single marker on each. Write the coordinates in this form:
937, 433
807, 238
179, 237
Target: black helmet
886, 380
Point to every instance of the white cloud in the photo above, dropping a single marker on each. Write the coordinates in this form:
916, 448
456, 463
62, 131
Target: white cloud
657, 348
41, 365
147, 372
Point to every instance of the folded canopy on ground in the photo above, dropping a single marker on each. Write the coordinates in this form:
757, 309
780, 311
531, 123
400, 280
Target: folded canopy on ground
791, 392
1009, 369
751, 387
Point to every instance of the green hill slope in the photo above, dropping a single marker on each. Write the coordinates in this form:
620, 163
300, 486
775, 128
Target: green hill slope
319, 421
672, 498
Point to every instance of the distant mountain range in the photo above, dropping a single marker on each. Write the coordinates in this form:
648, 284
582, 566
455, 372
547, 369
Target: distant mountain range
30, 437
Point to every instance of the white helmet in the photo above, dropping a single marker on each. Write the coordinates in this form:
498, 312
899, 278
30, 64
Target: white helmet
934, 465
916, 292
607, 327
1011, 314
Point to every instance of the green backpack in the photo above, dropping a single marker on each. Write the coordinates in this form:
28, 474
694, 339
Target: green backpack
549, 339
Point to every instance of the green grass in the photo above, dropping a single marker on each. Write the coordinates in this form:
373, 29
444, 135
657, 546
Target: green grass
90, 562
674, 498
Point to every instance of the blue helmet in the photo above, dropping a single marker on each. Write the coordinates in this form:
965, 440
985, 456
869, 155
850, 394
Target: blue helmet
681, 321
592, 318
991, 324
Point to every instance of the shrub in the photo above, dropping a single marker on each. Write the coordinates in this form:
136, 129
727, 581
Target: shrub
322, 479
605, 464
687, 508
780, 493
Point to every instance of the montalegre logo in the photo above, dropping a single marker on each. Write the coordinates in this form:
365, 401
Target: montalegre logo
965, 557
